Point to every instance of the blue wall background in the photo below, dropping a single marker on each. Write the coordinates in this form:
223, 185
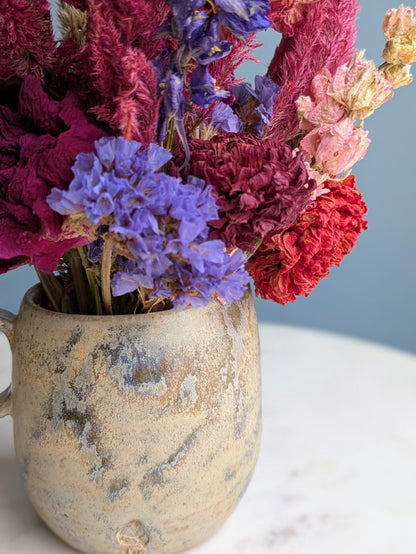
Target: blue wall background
371, 294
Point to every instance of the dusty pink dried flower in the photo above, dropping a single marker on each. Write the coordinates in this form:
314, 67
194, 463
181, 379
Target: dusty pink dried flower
336, 148
318, 106
399, 22
398, 74
360, 87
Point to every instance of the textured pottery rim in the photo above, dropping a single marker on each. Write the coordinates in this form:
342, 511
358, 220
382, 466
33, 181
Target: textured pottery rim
31, 300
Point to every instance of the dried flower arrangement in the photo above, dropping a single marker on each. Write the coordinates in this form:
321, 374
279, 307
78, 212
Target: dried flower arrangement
137, 173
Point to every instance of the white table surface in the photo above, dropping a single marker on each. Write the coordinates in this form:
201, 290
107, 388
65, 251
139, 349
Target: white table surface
337, 470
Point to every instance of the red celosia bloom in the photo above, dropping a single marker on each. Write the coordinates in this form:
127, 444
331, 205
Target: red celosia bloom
123, 80
39, 142
292, 263
324, 39
259, 186
26, 39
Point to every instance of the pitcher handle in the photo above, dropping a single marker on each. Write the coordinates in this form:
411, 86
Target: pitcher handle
7, 327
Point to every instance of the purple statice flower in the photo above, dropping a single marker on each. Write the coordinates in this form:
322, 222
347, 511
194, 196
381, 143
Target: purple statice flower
95, 248
222, 118
158, 220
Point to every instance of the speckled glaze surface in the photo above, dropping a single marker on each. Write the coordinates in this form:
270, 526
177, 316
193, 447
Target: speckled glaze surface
136, 434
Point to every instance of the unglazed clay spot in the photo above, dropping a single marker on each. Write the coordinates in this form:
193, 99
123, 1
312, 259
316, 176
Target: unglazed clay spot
133, 537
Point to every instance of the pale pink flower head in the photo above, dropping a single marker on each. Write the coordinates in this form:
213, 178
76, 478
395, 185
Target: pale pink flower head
336, 148
360, 87
399, 28
319, 106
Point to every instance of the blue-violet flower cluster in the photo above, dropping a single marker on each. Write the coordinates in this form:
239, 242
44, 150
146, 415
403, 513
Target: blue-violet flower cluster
196, 25
156, 223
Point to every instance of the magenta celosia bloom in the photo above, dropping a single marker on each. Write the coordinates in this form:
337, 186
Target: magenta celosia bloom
39, 142
323, 39
260, 187
26, 39
336, 148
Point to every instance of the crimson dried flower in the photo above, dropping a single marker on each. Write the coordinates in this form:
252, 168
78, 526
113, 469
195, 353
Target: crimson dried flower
26, 38
38, 144
260, 187
292, 263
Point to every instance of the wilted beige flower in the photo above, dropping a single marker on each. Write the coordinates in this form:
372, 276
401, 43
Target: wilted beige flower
399, 28
72, 23
361, 87
398, 74
355, 91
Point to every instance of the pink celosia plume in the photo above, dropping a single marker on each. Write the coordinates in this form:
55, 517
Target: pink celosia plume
223, 70
324, 39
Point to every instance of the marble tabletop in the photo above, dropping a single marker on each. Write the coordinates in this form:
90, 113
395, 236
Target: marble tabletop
337, 469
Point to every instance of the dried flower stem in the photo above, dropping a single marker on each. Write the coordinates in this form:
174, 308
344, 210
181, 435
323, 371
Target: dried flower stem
91, 281
52, 288
79, 282
106, 263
